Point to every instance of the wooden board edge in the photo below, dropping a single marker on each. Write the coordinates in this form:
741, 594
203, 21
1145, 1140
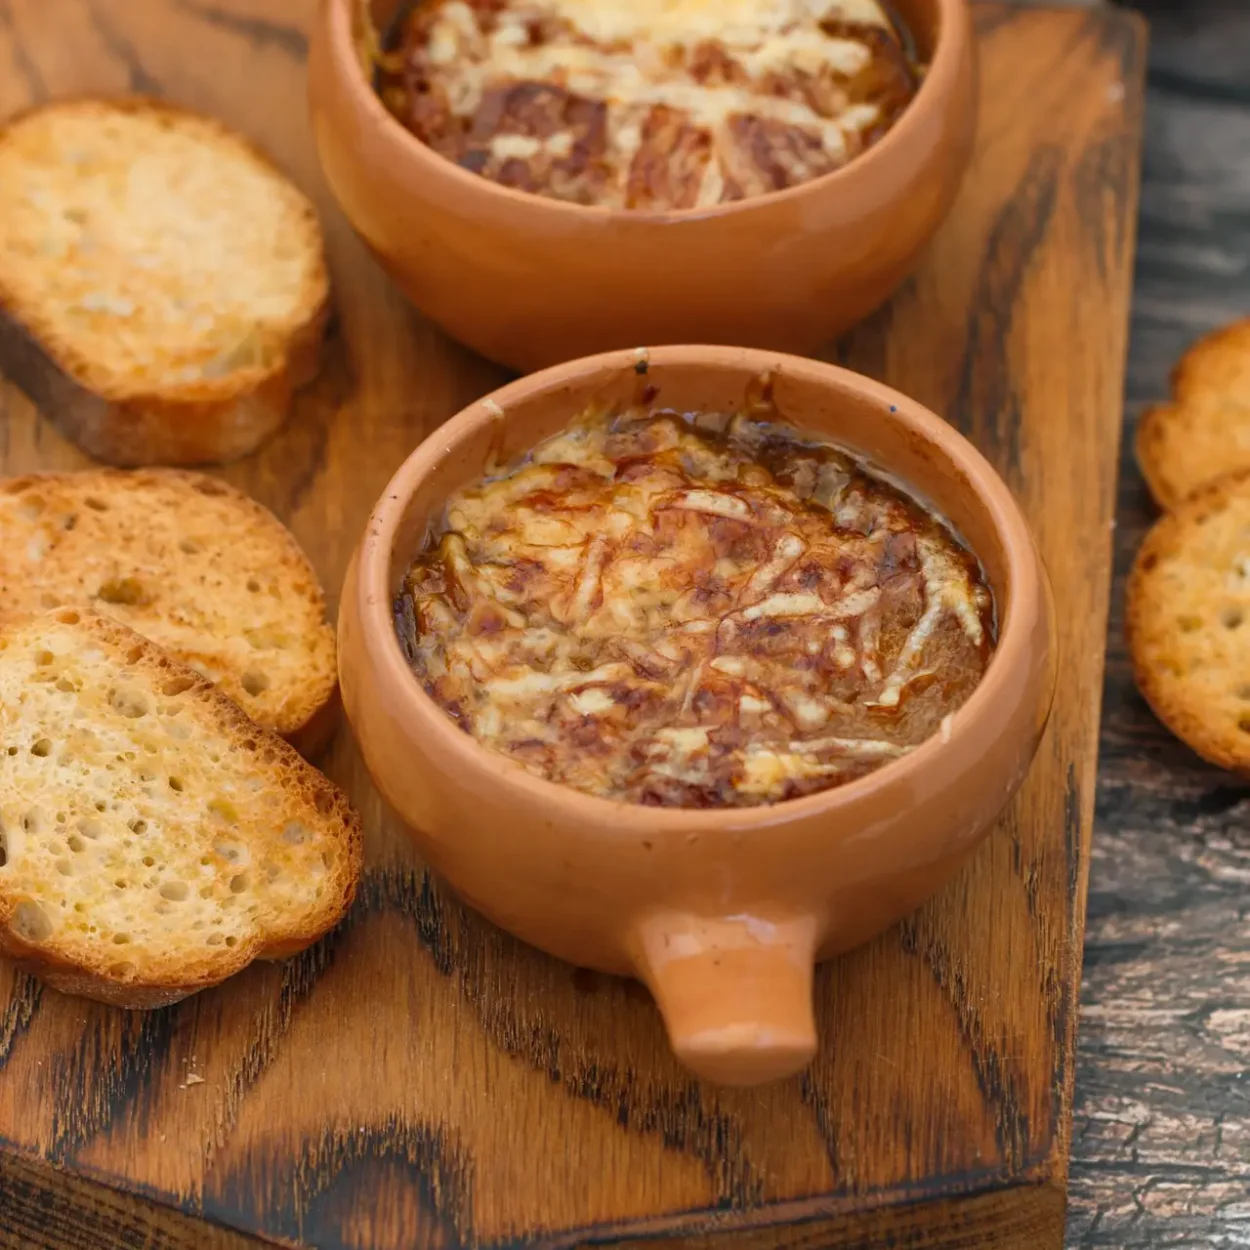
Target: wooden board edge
126, 1216
1008, 1217
44, 1207
1133, 33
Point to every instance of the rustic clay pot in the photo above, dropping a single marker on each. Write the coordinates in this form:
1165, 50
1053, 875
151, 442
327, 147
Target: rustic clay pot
528, 281
721, 913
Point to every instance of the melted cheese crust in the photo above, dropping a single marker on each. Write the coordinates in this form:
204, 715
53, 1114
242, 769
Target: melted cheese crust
652, 103
694, 612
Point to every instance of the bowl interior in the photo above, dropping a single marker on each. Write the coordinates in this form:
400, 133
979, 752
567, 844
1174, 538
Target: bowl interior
921, 19
895, 435
373, 20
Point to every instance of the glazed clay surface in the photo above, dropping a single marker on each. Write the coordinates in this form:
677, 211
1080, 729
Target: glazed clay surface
529, 281
721, 913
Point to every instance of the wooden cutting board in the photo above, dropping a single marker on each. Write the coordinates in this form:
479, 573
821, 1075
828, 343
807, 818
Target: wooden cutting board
420, 1080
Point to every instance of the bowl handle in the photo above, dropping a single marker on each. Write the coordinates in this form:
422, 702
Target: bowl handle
735, 992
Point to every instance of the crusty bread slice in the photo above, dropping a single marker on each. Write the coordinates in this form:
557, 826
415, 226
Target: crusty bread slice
163, 287
189, 562
153, 840
1204, 432
1187, 620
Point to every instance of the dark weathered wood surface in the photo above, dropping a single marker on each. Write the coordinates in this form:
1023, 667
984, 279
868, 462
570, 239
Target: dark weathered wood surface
419, 1080
1161, 1140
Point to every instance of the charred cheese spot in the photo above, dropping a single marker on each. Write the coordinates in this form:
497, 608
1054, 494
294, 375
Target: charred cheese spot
656, 104
694, 611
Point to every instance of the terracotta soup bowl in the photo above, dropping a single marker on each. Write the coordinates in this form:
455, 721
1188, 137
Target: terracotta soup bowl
528, 281
722, 913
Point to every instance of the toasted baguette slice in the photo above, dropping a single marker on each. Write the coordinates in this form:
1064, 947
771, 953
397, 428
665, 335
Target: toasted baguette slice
1204, 432
163, 287
153, 840
189, 562
1187, 620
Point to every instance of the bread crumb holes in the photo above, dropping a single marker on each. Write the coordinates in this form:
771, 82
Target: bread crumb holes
130, 703
31, 922
255, 682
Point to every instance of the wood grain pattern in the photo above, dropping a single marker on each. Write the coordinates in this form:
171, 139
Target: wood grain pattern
1161, 1139
421, 1080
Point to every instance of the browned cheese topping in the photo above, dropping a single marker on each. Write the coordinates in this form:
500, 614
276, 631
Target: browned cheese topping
694, 612
648, 104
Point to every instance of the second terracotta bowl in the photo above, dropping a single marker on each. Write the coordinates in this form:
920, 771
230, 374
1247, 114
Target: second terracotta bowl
721, 913
528, 281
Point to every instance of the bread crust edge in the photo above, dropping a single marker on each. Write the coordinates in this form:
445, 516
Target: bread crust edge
310, 736
214, 421
1209, 745
77, 978
144, 431
1184, 380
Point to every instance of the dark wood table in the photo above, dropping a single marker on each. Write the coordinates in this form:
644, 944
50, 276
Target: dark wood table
1161, 1137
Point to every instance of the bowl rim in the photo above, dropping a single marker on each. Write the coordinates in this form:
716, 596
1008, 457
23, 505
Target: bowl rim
375, 594
953, 36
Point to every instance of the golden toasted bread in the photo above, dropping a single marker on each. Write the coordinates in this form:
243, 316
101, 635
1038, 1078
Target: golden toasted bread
153, 840
1204, 432
189, 562
1188, 621
163, 287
